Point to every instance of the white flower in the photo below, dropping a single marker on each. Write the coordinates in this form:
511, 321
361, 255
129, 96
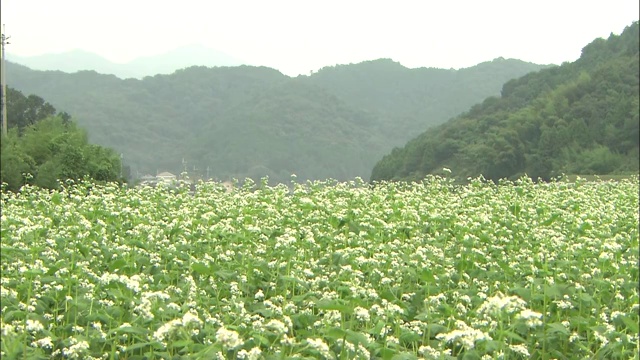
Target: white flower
362, 314
34, 326
532, 318
44, 343
191, 317
496, 304
392, 340
76, 350
166, 329
253, 354
277, 326
229, 338
520, 349
465, 336
563, 304
321, 347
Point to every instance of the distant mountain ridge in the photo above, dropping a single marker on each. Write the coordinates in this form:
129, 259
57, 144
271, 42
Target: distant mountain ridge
165, 63
248, 121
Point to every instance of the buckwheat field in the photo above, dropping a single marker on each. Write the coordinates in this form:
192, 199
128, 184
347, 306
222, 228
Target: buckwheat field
323, 270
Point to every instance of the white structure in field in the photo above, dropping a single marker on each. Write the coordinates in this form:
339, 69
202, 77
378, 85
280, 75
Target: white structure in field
166, 177
228, 185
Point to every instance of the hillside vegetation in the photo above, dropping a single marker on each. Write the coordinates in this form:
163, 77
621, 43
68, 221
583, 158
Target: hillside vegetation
43, 147
254, 121
579, 118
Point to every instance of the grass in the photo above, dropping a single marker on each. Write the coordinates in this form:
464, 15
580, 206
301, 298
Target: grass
326, 270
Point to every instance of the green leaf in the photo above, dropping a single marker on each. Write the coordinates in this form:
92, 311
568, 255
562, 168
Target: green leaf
137, 346
557, 328
335, 333
427, 276
404, 356
378, 328
117, 264
180, 343
435, 329
471, 355
200, 269
357, 338
294, 280
513, 336
385, 353
226, 274
631, 325
409, 337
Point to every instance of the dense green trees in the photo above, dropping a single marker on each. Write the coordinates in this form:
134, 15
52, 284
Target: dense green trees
579, 118
42, 148
254, 121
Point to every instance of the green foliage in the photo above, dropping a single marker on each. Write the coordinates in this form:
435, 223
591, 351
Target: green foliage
254, 121
322, 270
23, 111
41, 149
579, 118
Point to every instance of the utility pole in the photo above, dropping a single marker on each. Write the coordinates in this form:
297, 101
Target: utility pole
4, 84
121, 163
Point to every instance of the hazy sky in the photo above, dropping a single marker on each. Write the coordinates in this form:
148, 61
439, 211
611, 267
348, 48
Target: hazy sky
298, 36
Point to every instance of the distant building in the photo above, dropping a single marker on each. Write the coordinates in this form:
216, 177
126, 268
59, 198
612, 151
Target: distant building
166, 177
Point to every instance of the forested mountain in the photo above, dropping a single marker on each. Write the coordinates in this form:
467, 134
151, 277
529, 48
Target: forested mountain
254, 121
79, 60
414, 99
579, 118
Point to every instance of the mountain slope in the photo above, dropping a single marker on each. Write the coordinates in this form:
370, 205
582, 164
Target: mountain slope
414, 99
253, 121
579, 118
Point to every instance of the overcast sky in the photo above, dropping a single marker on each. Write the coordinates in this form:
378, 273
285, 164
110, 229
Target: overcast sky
298, 36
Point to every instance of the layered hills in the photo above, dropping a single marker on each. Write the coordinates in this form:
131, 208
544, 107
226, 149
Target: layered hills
165, 63
244, 121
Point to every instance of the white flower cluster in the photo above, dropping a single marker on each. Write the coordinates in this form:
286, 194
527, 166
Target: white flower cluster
465, 336
76, 350
34, 326
532, 318
228, 338
431, 353
321, 347
495, 305
188, 319
132, 283
362, 314
253, 354
277, 326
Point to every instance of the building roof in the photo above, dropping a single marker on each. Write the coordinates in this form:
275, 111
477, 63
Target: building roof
166, 174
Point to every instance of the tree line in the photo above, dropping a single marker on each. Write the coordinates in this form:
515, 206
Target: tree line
43, 147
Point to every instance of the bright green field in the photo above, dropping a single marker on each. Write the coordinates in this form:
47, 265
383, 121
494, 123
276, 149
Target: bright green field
336, 271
